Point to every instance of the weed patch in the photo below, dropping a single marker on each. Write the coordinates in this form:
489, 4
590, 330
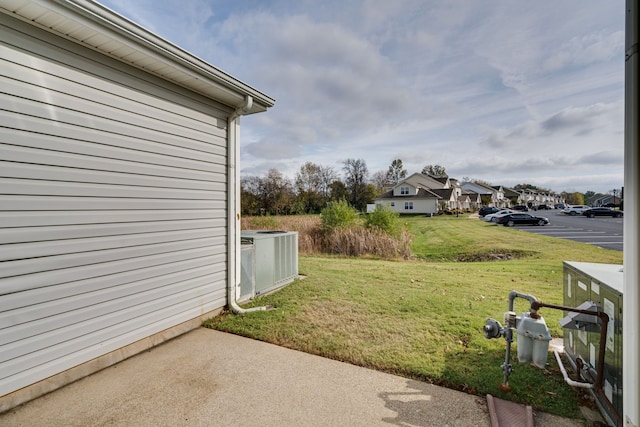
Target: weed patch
344, 237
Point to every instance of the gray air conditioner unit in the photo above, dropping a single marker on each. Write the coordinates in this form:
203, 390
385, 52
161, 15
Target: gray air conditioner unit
269, 261
599, 285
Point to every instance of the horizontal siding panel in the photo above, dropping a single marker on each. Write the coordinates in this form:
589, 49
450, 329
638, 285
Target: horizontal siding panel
44, 248
83, 119
81, 142
36, 288
113, 308
28, 318
20, 69
18, 267
10, 186
18, 307
31, 203
113, 211
201, 288
60, 57
75, 109
18, 162
59, 357
52, 218
38, 173
46, 233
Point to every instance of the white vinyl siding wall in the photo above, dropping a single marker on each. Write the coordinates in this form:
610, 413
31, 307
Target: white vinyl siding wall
112, 205
429, 205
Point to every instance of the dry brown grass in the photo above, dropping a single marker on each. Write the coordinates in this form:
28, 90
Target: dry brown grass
350, 241
359, 241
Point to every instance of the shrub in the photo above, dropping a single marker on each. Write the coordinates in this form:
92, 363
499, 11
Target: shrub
337, 215
385, 219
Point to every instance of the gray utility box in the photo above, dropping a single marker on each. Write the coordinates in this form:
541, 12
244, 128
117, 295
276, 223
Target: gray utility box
269, 260
602, 284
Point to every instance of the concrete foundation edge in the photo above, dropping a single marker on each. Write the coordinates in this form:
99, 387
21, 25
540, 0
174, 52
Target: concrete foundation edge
18, 397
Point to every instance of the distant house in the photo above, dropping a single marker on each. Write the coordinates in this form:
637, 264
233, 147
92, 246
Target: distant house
447, 188
606, 199
448, 198
469, 200
121, 191
491, 196
513, 196
406, 197
421, 193
498, 195
532, 198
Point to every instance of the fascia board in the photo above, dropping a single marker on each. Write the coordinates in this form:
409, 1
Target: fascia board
86, 19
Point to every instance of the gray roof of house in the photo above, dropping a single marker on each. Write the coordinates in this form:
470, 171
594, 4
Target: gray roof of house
423, 193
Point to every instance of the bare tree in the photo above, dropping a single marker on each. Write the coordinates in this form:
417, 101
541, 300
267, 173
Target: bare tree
272, 194
379, 181
396, 172
308, 177
327, 176
277, 193
356, 173
312, 183
250, 202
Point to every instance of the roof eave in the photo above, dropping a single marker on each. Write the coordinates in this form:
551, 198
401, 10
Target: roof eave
99, 28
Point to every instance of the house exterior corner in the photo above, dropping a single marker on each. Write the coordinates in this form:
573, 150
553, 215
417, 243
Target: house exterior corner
115, 191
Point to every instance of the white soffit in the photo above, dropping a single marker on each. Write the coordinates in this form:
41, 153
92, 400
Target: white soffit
99, 28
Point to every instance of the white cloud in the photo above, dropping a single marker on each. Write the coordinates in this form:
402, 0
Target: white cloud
585, 49
497, 90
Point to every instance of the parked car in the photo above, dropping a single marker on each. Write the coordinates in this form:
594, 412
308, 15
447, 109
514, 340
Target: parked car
559, 206
542, 207
522, 218
593, 212
521, 208
486, 211
575, 209
494, 216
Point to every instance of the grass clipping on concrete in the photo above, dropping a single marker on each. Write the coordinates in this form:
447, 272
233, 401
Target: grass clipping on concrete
422, 318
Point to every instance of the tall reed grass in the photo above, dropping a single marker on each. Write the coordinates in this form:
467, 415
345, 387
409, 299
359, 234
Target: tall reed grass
355, 240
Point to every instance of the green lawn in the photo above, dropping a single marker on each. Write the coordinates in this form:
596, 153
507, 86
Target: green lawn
423, 318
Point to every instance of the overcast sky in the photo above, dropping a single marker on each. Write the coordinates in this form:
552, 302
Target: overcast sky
505, 91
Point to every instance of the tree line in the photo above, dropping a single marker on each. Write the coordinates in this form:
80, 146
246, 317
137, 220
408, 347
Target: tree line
315, 186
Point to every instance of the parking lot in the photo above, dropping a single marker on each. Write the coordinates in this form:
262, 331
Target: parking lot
604, 232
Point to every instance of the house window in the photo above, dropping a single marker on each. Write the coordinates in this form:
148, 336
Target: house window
408, 206
404, 191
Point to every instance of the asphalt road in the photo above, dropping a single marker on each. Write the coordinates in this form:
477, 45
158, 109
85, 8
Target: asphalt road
604, 232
